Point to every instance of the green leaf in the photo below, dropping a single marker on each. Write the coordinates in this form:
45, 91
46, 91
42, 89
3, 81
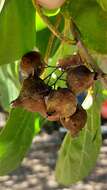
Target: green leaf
9, 84
92, 23
63, 51
103, 4
78, 156
40, 24
15, 139
38, 119
17, 30
42, 43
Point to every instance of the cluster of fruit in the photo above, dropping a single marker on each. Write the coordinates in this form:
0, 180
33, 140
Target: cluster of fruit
55, 104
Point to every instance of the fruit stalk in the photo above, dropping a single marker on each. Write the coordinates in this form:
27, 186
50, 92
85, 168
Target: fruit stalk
85, 55
51, 27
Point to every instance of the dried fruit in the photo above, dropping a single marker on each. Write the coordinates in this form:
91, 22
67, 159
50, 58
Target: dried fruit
32, 96
70, 62
79, 79
31, 105
75, 122
32, 64
60, 103
34, 87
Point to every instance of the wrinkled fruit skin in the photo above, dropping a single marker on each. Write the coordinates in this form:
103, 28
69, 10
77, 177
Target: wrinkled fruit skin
49, 4
34, 87
70, 62
79, 79
32, 96
60, 103
32, 64
75, 122
31, 105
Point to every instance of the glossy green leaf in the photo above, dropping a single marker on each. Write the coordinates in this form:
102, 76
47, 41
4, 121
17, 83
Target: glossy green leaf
15, 139
103, 4
17, 30
40, 24
92, 23
38, 119
42, 38
78, 156
9, 84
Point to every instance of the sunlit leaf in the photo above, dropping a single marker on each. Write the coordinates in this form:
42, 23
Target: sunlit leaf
42, 42
103, 4
40, 24
92, 23
17, 30
63, 51
37, 123
15, 139
9, 84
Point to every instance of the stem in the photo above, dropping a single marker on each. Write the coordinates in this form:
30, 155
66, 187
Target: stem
87, 57
51, 27
84, 53
58, 79
50, 66
50, 74
51, 39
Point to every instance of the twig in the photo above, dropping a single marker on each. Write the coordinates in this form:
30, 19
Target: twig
49, 66
58, 79
86, 55
50, 74
51, 27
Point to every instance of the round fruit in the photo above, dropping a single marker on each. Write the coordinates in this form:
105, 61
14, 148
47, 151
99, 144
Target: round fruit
79, 79
31, 96
70, 62
75, 122
32, 64
61, 103
34, 87
49, 4
31, 105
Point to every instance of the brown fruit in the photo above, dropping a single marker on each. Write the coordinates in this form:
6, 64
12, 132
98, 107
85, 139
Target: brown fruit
60, 103
32, 64
32, 96
79, 79
75, 122
70, 62
31, 105
34, 87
